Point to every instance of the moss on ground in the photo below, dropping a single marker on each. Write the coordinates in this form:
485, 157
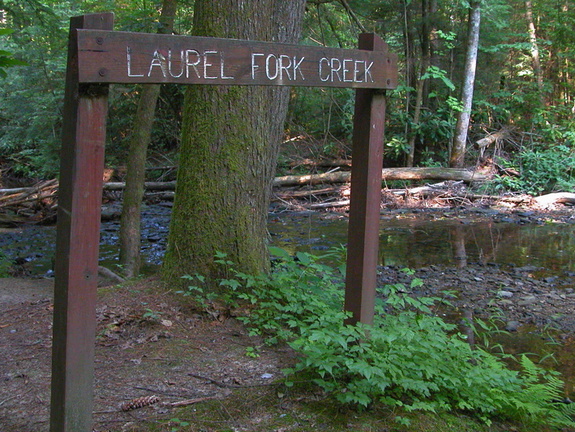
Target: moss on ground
274, 408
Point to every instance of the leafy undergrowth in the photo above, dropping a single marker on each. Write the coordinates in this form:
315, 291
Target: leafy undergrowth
409, 371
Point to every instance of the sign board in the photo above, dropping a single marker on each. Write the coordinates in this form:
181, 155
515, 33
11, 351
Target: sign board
121, 57
98, 56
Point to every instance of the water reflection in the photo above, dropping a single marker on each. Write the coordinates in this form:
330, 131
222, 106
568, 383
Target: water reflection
415, 244
403, 242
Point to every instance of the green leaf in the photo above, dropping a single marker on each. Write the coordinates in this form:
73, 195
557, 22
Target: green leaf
304, 258
279, 252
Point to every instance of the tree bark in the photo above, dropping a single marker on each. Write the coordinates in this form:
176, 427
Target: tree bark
230, 142
456, 159
416, 116
130, 231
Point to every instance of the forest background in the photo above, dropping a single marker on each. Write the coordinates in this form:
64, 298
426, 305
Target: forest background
504, 85
524, 85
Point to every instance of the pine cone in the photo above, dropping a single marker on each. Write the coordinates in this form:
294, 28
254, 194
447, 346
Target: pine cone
139, 403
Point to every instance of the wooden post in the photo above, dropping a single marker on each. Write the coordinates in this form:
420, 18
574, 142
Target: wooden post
77, 244
363, 229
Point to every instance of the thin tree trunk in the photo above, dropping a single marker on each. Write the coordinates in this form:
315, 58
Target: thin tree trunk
230, 142
534, 48
416, 116
409, 35
130, 231
456, 159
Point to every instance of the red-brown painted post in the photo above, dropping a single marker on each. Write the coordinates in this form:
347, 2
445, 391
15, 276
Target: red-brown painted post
363, 229
77, 244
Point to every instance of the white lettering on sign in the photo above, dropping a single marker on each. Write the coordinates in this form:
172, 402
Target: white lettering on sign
347, 70
281, 67
211, 65
205, 65
170, 62
254, 63
158, 60
193, 64
129, 62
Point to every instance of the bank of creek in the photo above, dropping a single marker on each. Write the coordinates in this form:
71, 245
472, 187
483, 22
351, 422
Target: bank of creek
521, 262
513, 267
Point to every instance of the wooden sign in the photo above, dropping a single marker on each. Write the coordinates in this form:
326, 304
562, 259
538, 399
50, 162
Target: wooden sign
121, 57
98, 56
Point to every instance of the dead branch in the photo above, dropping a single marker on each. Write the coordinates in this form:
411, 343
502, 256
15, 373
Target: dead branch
162, 186
224, 385
306, 193
322, 163
486, 141
193, 401
328, 204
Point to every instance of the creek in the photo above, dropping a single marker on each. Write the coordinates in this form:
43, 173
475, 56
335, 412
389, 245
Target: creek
406, 242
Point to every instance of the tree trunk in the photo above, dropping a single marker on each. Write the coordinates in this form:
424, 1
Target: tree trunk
534, 49
456, 159
416, 116
230, 142
411, 69
136, 165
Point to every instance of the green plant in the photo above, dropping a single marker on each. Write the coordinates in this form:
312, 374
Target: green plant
6, 57
409, 358
178, 425
151, 314
5, 265
252, 352
542, 170
397, 147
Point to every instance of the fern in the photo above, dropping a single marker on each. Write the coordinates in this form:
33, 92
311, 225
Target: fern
408, 358
542, 397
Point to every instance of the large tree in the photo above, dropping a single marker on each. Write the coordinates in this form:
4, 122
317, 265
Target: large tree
230, 142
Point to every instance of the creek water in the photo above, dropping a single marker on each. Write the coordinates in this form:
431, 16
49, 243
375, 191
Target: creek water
405, 242
417, 243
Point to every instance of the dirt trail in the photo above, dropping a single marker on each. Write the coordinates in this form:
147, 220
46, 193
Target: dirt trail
147, 343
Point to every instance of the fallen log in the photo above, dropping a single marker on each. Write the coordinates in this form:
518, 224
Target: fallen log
106, 272
161, 186
48, 189
424, 173
555, 198
312, 179
433, 173
321, 163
